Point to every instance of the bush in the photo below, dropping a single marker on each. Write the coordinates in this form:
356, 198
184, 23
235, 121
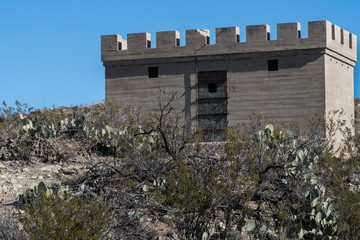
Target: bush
75, 218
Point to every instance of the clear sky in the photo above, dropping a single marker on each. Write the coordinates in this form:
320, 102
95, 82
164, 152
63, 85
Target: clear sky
50, 50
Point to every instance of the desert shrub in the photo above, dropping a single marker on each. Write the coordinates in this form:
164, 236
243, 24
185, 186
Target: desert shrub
75, 218
9, 225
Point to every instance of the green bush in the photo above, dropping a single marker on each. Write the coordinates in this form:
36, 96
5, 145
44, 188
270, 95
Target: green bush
74, 218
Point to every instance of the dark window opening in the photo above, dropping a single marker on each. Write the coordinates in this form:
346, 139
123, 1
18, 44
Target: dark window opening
299, 34
237, 38
268, 36
119, 46
212, 87
212, 105
342, 36
207, 40
273, 65
350, 40
177, 42
153, 72
148, 43
333, 32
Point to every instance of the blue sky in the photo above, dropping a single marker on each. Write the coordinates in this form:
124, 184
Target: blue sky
50, 50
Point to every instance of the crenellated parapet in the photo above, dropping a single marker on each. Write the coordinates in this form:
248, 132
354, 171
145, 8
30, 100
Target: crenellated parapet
321, 35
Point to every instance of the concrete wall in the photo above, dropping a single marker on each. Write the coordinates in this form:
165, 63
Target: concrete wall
293, 93
130, 84
321, 34
315, 74
339, 90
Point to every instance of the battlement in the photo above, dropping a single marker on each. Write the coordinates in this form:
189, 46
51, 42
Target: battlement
321, 35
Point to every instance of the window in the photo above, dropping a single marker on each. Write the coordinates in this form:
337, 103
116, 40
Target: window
268, 36
207, 40
177, 42
299, 34
237, 38
153, 72
119, 46
148, 44
212, 87
273, 65
212, 105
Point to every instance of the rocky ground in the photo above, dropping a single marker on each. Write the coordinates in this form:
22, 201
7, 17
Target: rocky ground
17, 176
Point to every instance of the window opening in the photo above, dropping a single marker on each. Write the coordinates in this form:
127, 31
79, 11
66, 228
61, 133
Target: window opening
333, 32
273, 65
119, 46
299, 34
350, 40
342, 36
148, 43
153, 72
177, 42
268, 36
207, 40
212, 87
237, 38
212, 105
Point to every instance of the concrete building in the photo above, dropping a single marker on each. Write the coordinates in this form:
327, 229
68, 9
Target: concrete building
287, 79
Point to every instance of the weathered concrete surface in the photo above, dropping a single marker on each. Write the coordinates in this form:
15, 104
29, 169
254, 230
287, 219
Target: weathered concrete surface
315, 74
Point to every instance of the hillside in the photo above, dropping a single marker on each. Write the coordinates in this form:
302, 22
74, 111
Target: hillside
149, 177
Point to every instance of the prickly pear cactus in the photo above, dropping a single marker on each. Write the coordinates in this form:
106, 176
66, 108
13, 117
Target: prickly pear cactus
35, 191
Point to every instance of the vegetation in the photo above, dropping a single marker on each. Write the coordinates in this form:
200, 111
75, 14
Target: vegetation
160, 180
75, 218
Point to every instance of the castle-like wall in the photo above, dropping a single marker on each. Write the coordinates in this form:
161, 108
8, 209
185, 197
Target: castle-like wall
321, 34
293, 93
314, 75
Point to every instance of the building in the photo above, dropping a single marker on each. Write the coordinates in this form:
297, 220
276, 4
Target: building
287, 79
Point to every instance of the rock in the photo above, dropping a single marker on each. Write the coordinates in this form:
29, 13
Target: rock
50, 168
3, 177
68, 171
17, 187
40, 177
3, 193
2, 166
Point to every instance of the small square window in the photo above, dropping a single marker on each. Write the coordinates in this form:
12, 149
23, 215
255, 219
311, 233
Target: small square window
212, 87
273, 65
153, 72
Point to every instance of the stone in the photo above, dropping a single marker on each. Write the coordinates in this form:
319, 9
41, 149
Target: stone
17, 187
2, 166
3, 177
